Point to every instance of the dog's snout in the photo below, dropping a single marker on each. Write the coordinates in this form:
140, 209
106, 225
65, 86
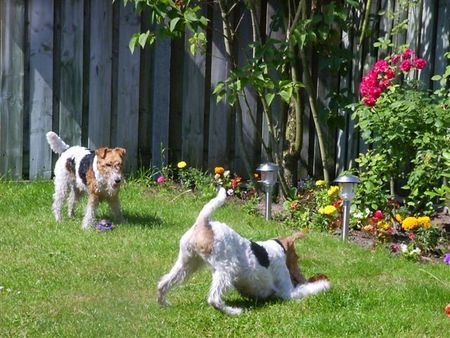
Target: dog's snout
118, 180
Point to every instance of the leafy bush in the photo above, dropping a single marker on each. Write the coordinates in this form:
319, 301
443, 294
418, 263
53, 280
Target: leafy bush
408, 128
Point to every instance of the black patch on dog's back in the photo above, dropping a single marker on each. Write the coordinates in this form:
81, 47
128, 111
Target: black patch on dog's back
70, 166
260, 253
85, 164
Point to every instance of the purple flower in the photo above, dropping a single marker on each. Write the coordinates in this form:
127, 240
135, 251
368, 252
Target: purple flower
447, 258
160, 179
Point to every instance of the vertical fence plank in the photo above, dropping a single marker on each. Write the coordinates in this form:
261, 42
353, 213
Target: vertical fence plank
442, 39
12, 27
426, 39
71, 63
160, 103
193, 107
100, 74
41, 85
127, 86
249, 104
219, 112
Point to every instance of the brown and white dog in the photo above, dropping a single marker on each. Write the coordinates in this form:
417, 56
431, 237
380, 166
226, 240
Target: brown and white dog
257, 270
78, 170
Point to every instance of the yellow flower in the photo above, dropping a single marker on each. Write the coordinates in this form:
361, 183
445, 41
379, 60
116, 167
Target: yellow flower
181, 164
219, 170
424, 221
410, 223
333, 190
320, 183
398, 218
383, 225
328, 210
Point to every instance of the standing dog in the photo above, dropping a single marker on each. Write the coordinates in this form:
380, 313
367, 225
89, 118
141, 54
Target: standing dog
257, 270
79, 170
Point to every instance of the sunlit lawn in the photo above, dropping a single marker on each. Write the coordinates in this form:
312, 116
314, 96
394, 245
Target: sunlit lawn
57, 280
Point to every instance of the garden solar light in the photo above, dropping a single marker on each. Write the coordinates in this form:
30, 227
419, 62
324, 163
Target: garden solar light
269, 173
347, 184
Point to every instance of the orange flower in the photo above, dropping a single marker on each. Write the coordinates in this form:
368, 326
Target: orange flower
219, 170
447, 310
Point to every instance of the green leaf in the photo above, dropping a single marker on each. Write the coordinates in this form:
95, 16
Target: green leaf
143, 38
436, 77
133, 42
269, 98
173, 23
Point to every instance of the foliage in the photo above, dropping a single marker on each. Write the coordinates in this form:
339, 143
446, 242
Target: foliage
409, 130
171, 19
314, 206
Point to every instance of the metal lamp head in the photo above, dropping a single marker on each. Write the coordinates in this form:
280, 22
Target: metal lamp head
269, 173
347, 184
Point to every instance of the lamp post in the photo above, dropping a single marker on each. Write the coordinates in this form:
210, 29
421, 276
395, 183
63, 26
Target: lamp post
269, 173
347, 192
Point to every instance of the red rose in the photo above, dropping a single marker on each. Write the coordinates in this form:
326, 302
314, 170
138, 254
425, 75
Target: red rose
395, 59
390, 74
407, 54
419, 63
381, 66
369, 101
405, 66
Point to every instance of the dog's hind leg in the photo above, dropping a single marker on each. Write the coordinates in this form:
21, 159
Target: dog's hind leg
61, 187
72, 200
184, 267
220, 285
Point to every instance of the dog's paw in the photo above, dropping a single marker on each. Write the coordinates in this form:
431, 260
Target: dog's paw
163, 302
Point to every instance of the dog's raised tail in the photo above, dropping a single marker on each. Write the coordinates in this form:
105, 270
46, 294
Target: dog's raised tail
56, 143
212, 205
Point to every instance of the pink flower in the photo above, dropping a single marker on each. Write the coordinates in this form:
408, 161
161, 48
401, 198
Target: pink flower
378, 214
381, 66
419, 63
395, 59
384, 83
411, 236
375, 92
390, 74
405, 66
160, 179
369, 101
407, 54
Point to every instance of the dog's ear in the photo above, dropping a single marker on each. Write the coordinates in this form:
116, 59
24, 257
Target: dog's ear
120, 151
292, 257
101, 152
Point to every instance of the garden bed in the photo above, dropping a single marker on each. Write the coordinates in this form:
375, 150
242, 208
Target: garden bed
370, 241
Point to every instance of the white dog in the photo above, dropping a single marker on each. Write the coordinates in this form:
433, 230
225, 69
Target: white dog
257, 270
78, 170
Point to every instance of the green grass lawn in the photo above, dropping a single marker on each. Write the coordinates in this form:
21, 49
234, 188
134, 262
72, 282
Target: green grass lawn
59, 281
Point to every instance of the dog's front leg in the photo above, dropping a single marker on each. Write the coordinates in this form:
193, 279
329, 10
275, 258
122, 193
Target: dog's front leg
89, 216
114, 204
220, 285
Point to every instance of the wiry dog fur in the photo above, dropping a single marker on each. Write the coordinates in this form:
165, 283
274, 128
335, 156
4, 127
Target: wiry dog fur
79, 170
257, 270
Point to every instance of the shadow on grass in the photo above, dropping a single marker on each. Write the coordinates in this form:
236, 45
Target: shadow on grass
142, 220
251, 304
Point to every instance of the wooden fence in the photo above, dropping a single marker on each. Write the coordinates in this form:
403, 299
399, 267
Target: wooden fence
65, 66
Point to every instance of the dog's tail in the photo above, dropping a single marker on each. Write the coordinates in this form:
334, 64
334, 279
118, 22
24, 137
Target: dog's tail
56, 143
313, 286
212, 205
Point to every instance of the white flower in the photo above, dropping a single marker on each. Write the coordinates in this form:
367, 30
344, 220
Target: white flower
403, 247
230, 192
